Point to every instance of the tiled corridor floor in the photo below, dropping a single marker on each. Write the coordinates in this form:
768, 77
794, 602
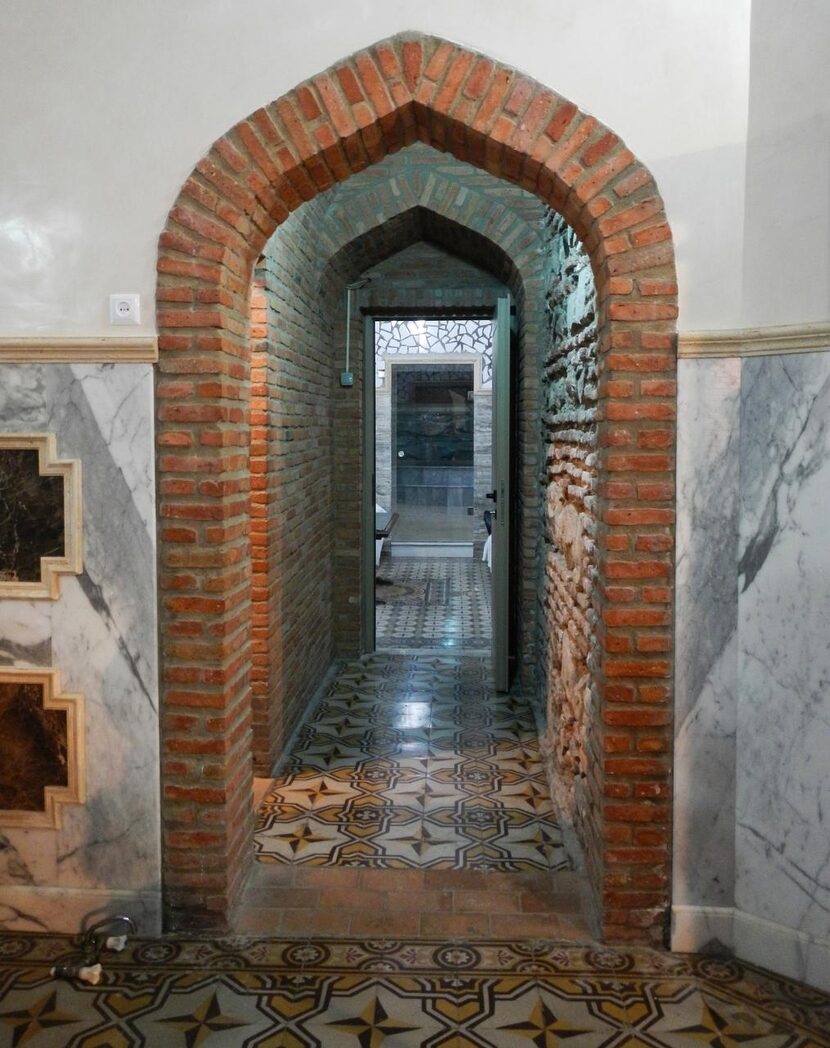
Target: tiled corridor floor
434, 603
414, 762
414, 803
379, 993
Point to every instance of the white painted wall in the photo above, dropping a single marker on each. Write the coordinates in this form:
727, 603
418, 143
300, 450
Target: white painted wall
787, 242
106, 105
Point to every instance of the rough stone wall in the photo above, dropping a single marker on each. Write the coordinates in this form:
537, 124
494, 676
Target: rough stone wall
569, 370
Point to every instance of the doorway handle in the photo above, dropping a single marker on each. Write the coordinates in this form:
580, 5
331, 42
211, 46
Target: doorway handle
491, 495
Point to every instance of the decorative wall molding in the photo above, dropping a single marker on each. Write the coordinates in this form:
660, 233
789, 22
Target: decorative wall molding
74, 792
755, 342
105, 349
71, 563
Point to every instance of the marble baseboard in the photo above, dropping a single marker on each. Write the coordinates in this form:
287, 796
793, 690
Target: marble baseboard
786, 951
700, 928
783, 950
26, 908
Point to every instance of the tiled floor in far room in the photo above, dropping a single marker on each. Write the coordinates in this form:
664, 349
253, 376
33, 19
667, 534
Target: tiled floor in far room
379, 993
433, 603
415, 802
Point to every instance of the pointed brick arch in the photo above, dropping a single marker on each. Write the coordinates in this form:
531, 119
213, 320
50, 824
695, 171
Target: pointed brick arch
408, 88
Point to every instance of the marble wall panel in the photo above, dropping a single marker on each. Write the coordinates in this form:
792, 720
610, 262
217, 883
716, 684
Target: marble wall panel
783, 770
707, 619
101, 635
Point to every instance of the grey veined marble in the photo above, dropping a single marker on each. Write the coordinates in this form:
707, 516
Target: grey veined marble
707, 618
101, 635
783, 773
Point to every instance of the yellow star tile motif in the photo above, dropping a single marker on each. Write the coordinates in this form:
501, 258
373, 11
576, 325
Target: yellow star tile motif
372, 1026
198, 1025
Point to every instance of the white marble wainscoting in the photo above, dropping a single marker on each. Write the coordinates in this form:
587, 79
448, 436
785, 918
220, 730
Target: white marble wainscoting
707, 619
101, 636
752, 722
782, 842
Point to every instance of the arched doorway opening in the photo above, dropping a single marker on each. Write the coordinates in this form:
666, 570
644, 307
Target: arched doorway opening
406, 89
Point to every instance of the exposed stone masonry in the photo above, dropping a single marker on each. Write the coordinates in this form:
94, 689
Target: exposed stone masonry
569, 419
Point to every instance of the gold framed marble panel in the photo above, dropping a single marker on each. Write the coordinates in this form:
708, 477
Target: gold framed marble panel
73, 790
47, 587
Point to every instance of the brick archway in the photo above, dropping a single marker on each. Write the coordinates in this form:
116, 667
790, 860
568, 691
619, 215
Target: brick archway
410, 88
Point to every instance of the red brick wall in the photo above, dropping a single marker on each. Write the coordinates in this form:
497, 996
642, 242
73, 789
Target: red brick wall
292, 527
407, 88
265, 659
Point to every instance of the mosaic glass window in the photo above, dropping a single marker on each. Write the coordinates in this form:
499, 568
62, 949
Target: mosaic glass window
412, 337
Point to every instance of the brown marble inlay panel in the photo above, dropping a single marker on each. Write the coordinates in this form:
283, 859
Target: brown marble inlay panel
33, 747
32, 521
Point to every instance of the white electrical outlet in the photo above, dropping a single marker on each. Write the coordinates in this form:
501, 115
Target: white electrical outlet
125, 309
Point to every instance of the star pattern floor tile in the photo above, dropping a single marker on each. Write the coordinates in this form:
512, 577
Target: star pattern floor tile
383, 993
433, 602
414, 761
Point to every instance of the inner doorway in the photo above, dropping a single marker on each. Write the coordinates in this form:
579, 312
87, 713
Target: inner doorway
432, 456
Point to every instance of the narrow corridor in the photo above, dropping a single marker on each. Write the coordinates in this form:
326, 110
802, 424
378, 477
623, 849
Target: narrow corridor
423, 794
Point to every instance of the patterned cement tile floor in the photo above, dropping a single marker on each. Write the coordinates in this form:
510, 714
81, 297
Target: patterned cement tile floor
433, 602
414, 762
396, 994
